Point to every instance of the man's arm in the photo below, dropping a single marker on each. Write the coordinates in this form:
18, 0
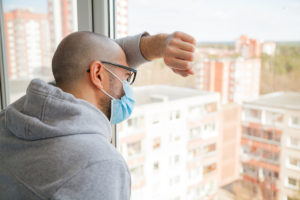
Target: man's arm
131, 47
177, 50
108, 179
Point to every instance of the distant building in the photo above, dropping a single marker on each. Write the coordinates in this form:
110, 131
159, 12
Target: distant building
236, 80
62, 15
247, 47
171, 143
271, 144
122, 18
27, 44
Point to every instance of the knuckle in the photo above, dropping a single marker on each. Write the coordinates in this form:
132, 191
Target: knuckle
185, 64
177, 34
169, 50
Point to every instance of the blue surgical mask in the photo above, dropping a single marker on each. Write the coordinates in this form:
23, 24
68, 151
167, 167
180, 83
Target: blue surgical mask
122, 108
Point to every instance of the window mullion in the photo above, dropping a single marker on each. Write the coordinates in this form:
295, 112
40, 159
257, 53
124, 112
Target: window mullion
4, 97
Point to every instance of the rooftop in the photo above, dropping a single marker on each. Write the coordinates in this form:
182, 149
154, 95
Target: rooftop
287, 100
163, 93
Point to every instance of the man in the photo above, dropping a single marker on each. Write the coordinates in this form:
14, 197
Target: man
55, 140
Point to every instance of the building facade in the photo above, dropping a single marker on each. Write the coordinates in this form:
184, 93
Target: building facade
171, 143
270, 148
236, 80
27, 44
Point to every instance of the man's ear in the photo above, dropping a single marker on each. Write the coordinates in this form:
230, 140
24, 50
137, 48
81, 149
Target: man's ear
96, 74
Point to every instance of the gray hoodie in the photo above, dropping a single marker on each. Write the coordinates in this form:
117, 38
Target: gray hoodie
55, 146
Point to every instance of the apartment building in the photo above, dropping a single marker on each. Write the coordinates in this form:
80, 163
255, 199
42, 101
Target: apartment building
248, 47
236, 80
62, 16
27, 44
171, 143
122, 18
270, 144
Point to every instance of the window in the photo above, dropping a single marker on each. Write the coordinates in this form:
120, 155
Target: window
253, 115
208, 169
295, 122
293, 142
273, 118
134, 148
211, 107
156, 143
292, 183
293, 163
209, 148
137, 174
175, 115
41, 29
240, 70
136, 122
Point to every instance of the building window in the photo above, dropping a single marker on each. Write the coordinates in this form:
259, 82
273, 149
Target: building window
294, 163
175, 115
156, 166
209, 148
293, 142
209, 169
295, 122
137, 174
195, 133
156, 143
211, 107
136, 122
273, 118
134, 148
292, 183
252, 115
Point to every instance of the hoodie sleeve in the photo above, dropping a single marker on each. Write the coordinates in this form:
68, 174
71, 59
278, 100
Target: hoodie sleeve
107, 179
131, 47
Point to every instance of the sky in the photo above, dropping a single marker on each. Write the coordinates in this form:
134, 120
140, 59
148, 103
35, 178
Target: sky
218, 20
206, 20
39, 6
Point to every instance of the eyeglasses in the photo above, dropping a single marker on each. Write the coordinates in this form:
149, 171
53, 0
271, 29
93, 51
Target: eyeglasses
132, 75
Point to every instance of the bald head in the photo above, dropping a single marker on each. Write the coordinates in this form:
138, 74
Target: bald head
77, 51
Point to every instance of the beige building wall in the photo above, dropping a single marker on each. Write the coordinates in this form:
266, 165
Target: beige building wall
289, 154
229, 143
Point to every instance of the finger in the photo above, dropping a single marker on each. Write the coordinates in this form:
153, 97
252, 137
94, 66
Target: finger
180, 54
177, 63
185, 37
182, 45
181, 72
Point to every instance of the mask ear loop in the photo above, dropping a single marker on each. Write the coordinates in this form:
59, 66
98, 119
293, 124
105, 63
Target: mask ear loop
108, 94
114, 76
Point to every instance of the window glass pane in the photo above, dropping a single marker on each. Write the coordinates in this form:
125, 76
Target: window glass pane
232, 115
33, 30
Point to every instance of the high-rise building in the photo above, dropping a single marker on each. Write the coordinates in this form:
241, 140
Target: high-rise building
171, 143
247, 47
62, 16
271, 144
122, 18
27, 44
236, 80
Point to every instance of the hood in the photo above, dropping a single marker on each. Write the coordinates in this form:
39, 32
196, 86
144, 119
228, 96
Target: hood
46, 111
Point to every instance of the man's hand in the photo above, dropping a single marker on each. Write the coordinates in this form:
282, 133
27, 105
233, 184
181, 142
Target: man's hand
179, 53
177, 50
